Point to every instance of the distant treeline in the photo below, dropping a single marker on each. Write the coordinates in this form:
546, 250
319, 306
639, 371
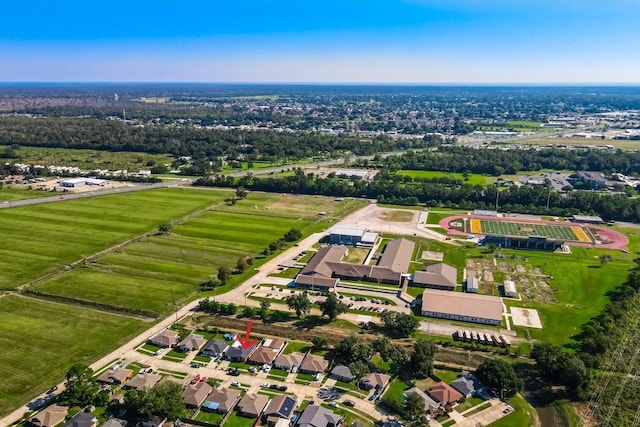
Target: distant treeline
112, 135
497, 162
392, 188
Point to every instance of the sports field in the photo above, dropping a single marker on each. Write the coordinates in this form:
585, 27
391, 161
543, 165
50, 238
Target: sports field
40, 340
153, 273
43, 238
568, 233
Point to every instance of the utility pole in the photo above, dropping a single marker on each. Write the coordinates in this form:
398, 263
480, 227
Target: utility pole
497, 195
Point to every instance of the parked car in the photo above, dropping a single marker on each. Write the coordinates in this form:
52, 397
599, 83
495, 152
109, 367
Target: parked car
282, 388
52, 389
333, 404
350, 403
235, 384
274, 386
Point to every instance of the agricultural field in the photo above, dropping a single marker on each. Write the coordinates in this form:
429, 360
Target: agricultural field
173, 266
88, 159
35, 332
40, 239
473, 178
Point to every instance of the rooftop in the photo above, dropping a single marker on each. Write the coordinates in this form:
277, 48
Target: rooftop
462, 304
397, 255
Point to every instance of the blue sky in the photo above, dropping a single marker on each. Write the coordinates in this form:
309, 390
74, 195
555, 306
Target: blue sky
372, 41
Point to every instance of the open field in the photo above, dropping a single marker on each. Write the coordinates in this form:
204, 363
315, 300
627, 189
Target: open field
622, 144
9, 194
171, 267
43, 238
34, 333
473, 178
89, 159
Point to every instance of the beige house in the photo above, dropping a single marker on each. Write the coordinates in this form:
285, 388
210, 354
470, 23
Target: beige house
49, 417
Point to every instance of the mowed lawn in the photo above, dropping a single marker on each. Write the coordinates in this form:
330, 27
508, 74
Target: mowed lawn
473, 178
42, 238
40, 340
580, 288
8, 194
154, 273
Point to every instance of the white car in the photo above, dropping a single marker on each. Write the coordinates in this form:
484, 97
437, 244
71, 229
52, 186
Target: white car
235, 384
333, 404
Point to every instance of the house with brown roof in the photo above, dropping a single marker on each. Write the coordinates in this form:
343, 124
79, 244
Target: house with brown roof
443, 393
280, 406
288, 361
192, 342
50, 416
251, 405
166, 338
143, 381
275, 343
313, 364
462, 306
263, 355
437, 276
115, 376
397, 255
374, 380
221, 400
195, 394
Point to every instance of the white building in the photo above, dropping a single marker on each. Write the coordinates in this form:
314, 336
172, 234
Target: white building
510, 289
472, 285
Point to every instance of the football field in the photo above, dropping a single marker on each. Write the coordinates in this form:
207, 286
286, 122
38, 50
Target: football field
568, 233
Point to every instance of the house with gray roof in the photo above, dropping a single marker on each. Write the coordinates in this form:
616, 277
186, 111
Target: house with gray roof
237, 353
429, 404
342, 373
214, 348
318, 416
82, 419
466, 385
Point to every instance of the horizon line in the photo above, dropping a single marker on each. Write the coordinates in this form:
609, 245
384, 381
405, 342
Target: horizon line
312, 83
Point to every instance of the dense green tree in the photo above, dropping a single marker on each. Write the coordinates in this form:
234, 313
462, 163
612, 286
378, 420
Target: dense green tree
299, 303
264, 309
165, 228
332, 307
353, 348
499, 376
224, 274
421, 360
358, 369
80, 387
293, 235
414, 410
399, 324
163, 400
319, 342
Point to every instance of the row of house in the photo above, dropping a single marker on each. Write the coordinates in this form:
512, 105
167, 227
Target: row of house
274, 412
55, 415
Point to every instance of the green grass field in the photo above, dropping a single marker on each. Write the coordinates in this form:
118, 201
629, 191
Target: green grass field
40, 340
9, 194
474, 178
154, 273
523, 229
43, 238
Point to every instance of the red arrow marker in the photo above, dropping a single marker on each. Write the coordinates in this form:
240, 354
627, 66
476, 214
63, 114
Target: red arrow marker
246, 342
